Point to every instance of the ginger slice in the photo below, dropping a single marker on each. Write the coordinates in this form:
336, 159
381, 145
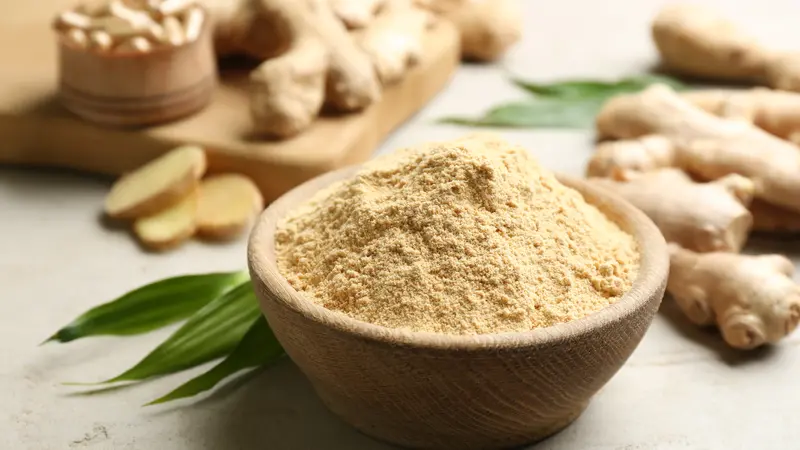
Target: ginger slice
227, 205
171, 226
156, 185
752, 299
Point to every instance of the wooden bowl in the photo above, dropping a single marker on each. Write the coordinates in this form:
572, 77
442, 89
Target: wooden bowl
427, 390
136, 89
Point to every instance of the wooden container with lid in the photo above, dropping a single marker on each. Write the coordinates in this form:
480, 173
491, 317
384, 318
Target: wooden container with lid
121, 85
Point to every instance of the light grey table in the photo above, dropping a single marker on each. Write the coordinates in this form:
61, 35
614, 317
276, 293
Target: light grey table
682, 389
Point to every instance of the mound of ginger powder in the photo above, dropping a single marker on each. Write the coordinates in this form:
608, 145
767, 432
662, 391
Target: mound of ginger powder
470, 236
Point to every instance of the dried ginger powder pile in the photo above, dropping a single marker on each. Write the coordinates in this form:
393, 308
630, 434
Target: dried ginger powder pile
465, 237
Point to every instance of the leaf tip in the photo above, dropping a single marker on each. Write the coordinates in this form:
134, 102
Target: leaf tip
80, 383
157, 401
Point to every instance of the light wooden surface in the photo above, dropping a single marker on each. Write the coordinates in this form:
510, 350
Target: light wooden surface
682, 389
28, 105
434, 391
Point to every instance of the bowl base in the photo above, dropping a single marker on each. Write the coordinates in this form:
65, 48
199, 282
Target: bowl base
388, 432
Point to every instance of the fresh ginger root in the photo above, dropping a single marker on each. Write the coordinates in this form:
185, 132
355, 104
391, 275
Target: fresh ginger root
356, 14
769, 218
642, 154
703, 217
487, 27
706, 146
752, 299
698, 41
777, 112
169, 227
228, 203
310, 60
157, 184
393, 40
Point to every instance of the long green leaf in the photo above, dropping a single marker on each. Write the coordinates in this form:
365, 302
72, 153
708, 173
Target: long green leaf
211, 333
584, 89
258, 347
150, 307
564, 104
535, 113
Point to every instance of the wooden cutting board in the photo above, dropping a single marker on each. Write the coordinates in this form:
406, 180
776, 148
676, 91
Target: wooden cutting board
36, 130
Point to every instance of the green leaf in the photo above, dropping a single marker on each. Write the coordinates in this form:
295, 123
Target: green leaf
584, 89
150, 307
210, 333
565, 104
535, 113
258, 347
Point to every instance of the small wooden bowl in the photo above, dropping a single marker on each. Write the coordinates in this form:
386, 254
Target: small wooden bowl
136, 89
427, 390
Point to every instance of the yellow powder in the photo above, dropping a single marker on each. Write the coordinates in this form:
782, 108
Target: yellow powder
470, 236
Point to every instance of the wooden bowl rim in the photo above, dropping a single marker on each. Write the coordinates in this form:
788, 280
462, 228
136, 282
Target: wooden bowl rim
653, 271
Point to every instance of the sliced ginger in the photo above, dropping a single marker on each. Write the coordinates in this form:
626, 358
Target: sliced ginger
171, 226
156, 185
170, 204
227, 205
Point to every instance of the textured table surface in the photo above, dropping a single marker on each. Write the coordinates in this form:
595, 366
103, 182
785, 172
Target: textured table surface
681, 389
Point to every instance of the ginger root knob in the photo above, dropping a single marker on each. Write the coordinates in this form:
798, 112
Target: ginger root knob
752, 299
700, 216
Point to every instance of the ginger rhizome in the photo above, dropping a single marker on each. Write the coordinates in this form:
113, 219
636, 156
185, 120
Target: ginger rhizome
310, 60
777, 112
642, 154
774, 219
356, 14
394, 39
704, 145
751, 299
698, 41
338, 54
487, 27
700, 216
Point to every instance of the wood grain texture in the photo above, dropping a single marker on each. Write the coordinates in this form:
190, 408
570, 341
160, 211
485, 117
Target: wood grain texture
427, 390
136, 89
38, 130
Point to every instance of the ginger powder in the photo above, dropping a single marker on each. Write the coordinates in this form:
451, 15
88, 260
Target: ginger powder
465, 237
